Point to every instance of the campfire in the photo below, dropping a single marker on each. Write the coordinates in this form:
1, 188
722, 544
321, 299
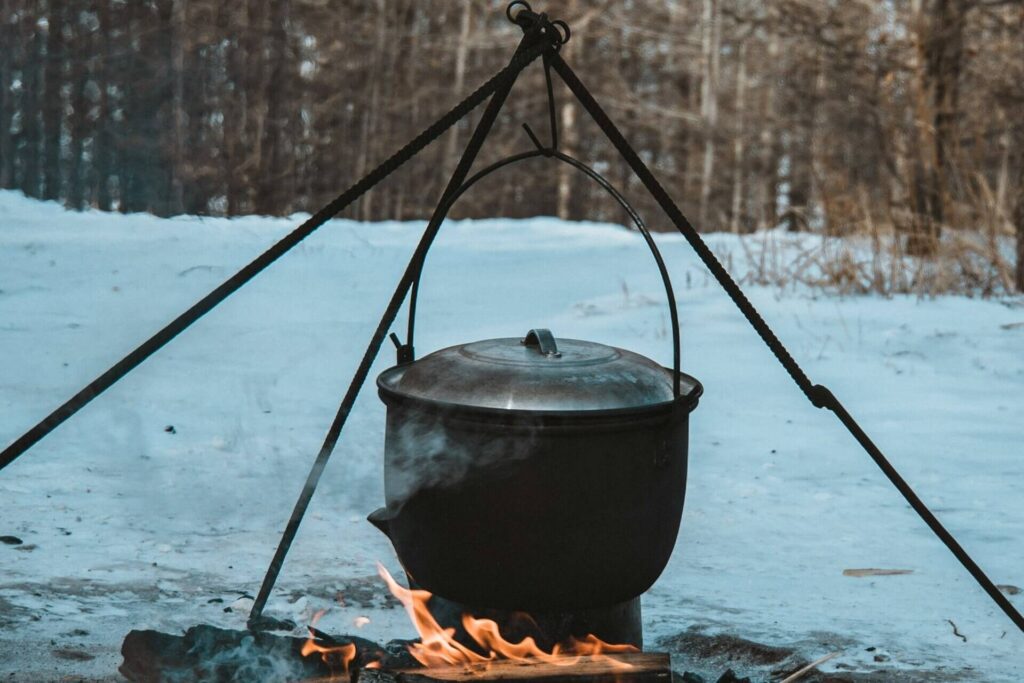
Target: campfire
481, 650
438, 647
335, 657
558, 464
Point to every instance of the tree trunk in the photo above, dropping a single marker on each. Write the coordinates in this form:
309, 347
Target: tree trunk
737, 148
799, 181
371, 111
161, 127
104, 142
944, 47
31, 145
7, 37
53, 105
938, 37
1018, 213
1018, 221
818, 197
176, 63
673, 140
568, 140
412, 118
255, 105
79, 124
458, 82
800, 146
198, 174
231, 107
272, 196
568, 135
131, 156
710, 42
769, 142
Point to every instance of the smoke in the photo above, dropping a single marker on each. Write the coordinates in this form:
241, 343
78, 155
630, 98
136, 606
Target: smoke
208, 653
434, 451
244, 663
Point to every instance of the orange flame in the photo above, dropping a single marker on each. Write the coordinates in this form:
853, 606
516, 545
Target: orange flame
333, 656
438, 647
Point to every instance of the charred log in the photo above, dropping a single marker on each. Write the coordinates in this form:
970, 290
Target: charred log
208, 653
643, 667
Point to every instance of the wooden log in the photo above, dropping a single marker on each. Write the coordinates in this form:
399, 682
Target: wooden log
644, 667
207, 653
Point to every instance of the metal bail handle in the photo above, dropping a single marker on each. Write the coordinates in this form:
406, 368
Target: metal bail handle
447, 202
542, 339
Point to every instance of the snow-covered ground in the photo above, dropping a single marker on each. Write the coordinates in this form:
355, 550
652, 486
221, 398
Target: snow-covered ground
128, 524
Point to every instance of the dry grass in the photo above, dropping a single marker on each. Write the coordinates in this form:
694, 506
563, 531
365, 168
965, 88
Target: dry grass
873, 260
863, 250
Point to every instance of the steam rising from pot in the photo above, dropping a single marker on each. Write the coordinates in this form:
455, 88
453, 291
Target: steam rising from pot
429, 454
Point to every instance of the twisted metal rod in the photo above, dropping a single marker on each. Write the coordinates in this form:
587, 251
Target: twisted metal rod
820, 396
533, 39
260, 263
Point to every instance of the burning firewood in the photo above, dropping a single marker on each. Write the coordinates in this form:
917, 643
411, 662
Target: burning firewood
208, 653
633, 667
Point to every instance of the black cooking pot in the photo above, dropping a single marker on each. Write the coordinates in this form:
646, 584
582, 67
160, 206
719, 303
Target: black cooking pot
535, 474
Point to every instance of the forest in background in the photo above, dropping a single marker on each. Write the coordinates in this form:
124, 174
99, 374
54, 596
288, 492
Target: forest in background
898, 121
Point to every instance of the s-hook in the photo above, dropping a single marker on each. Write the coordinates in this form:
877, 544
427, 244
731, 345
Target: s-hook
563, 38
552, 119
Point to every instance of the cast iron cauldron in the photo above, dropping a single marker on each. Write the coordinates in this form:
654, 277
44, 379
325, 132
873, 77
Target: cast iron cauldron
535, 473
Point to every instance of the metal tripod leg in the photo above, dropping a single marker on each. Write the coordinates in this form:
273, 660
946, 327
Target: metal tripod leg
819, 395
461, 171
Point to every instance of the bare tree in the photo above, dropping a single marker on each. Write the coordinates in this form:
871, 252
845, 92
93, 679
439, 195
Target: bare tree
738, 135
828, 116
8, 33
79, 116
711, 37
53, 104
30, 147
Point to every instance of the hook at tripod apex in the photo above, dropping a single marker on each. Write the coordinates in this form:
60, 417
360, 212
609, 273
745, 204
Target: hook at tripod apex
512, 5
552, 119
526, 18
547, 151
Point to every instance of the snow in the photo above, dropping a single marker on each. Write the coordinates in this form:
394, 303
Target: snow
128, 525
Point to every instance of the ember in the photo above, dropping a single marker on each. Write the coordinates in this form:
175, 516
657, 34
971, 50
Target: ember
334, 656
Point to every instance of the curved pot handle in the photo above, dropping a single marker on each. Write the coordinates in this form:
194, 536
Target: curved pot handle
405, 351
542, 339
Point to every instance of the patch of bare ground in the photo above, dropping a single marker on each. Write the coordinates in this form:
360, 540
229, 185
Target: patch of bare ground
705, 656
57, 660
723, 645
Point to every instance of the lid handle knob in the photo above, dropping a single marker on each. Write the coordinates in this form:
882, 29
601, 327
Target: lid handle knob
543, 340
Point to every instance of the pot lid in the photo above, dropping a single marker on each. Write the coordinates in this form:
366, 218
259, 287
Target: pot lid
537, 372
